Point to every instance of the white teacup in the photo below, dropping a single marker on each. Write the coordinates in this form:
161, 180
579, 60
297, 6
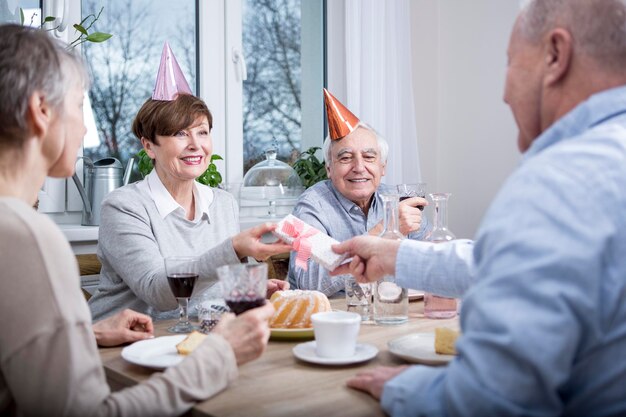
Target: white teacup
336, 333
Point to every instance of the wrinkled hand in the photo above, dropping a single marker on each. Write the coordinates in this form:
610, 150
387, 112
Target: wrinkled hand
372, 257
373, 380
248, 243
274, 285
124, 327
409, 216
247, 333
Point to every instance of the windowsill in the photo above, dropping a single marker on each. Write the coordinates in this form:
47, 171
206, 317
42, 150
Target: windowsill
84, 239
78, 233
251, 221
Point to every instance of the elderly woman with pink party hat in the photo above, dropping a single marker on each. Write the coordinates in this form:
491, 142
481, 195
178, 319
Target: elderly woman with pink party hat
169, 213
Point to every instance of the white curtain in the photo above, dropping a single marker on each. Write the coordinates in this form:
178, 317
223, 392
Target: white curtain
369, 70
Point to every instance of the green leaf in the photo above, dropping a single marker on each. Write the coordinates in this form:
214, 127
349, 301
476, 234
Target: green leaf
309, 168
144, 163
80, 29
21, 16
216, 157
49, 19
97, 37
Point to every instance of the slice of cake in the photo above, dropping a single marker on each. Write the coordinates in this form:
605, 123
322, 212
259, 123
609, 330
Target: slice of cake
190, 343
444, 340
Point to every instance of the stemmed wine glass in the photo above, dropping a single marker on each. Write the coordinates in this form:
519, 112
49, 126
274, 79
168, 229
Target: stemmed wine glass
244, 286
182, 274
412, 190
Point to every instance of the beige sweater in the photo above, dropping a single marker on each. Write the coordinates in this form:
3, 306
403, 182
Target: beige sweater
49, 361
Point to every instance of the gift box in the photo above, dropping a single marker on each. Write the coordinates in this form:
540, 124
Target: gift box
309, 243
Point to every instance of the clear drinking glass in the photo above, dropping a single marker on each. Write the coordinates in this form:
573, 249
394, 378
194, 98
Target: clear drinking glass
436, 307
412, 190
391, 302
358, 297
182, 274
209, 316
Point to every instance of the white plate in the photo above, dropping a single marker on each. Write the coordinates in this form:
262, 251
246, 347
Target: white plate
415, 295
418, 348
157, 353
306, 352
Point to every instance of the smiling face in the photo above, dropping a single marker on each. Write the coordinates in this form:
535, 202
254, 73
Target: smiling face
182, 157
356, 166
523, 89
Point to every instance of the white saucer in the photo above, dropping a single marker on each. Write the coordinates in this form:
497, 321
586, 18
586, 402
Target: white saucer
306, 352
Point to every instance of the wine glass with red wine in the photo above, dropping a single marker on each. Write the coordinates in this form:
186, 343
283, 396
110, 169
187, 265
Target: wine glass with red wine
182, 274
244, 286
412, 190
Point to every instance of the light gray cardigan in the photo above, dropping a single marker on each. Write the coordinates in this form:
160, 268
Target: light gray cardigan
134, 239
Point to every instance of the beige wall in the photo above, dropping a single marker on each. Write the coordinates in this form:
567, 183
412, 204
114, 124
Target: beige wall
466, 134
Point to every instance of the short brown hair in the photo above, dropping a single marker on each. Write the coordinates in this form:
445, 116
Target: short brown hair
166, 118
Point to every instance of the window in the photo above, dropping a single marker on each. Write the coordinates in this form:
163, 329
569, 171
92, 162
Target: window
274, 74
272, 90
282, 40
279, 43
124, 68
31, 9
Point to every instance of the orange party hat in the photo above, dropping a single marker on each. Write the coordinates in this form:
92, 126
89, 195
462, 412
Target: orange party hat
341, 121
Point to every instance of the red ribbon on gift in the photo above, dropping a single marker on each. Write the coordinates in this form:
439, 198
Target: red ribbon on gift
301, 243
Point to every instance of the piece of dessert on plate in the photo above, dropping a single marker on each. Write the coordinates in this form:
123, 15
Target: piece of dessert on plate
295, 307
191, 342
444, 340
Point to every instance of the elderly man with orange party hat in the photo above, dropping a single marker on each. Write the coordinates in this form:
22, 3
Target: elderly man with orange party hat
348, 204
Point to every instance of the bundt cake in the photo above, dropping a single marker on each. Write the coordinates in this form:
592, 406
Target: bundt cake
294, 308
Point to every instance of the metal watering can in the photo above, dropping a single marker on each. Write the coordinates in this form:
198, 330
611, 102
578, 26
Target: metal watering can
101, 177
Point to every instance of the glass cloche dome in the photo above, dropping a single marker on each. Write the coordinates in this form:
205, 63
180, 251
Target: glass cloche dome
269, 182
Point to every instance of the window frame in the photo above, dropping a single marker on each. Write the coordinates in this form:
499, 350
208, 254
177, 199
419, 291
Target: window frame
219, 24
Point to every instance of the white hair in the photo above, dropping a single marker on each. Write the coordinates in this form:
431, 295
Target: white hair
382, 144
32, 62
598, 27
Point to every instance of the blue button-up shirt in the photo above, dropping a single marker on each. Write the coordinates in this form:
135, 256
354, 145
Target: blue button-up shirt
544, 324
326, 209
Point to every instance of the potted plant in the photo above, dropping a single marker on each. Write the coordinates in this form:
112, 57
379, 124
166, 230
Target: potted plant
309, 168
82, 28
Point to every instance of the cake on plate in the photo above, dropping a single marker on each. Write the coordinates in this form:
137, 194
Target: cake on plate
444, 340
295, 307
190, 343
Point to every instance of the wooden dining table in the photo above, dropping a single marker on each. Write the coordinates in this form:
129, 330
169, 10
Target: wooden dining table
278, 384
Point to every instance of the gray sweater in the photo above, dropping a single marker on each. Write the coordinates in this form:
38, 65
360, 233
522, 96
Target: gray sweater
134, 239
49, 361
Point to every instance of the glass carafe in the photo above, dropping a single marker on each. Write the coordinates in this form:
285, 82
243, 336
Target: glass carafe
436, 307
391, 302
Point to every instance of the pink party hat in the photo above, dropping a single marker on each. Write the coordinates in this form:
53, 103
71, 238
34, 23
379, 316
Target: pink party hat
170, 81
